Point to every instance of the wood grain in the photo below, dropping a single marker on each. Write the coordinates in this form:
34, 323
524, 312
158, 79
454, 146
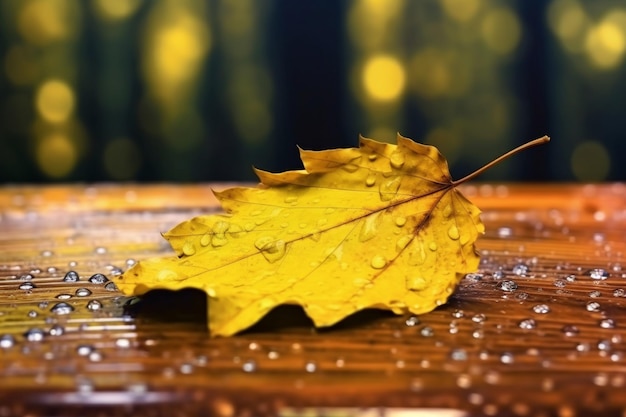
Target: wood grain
552, 346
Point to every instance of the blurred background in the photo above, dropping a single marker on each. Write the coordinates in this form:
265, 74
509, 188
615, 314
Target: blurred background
201, 90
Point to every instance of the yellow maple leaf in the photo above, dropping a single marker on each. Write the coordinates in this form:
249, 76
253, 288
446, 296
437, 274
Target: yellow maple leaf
379, 226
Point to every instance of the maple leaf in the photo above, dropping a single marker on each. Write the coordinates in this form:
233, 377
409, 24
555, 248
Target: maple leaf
380, 226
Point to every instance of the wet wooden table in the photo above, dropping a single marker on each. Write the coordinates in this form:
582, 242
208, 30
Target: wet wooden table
537, 331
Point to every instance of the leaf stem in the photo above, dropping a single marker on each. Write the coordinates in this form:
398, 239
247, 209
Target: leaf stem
540, 141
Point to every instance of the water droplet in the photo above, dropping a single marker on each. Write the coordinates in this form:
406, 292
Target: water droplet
27, 286
205, 240
369, 227
570, 330
219, 234
292, 199
607, 323
521, 296
83, 292
458, 314
458, 355
189, 248
400, 221
595, 294
7, 341
100, 250
504, 232
520, 269
432, 246
412, 321
63, 296
507, 358
32, 314
478, 334
528, 324
403, 242
84, 350
593, 306
353, 165
427, 331
26, 277
310, 366
98, 279
249, 366
271, 249
453, 232
122, 343
583, 347
416, 283
378, 262
34, 334
570, 278
62, 309
541, 309
604, 345
499, 274
110, 286
597, 274
474, 277
370, 180
619, 292
396, 159
388, 189
479, 318
507, 285
56, 330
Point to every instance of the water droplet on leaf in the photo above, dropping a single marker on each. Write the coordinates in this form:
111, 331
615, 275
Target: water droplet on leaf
453, 232
378, 262
388, 189
396, 159
271, 249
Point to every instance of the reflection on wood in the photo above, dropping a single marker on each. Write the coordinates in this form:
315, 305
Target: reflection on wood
536, 331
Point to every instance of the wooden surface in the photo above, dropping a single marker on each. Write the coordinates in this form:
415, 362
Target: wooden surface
553, 345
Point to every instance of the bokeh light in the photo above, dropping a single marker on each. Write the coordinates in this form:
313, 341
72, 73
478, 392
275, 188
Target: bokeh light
42, 22
177, 41
116, 10
605, 42
56, 155
383, 77
462, 10
55, 101
569, 21
590, 161
162, 89
501, 30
